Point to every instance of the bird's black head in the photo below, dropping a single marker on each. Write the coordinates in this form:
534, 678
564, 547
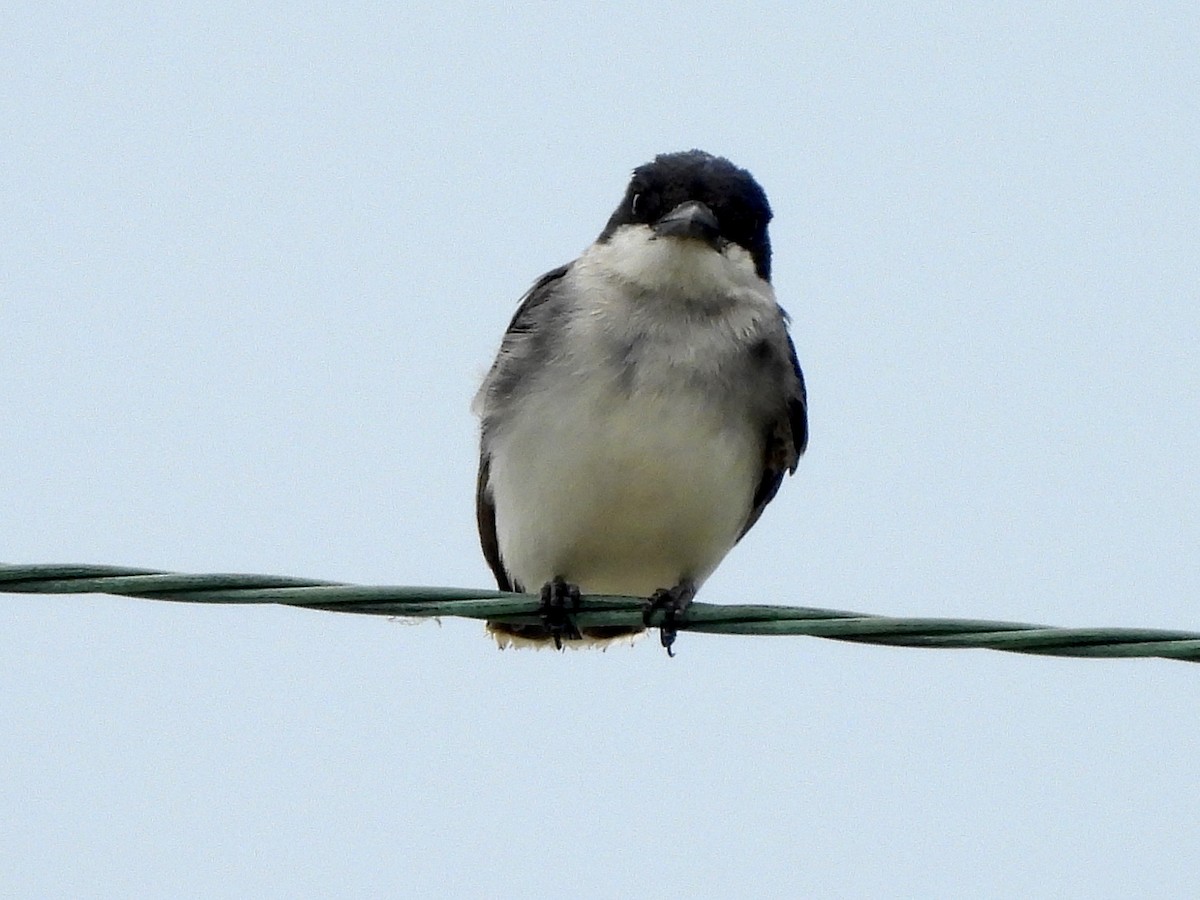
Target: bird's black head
735, 200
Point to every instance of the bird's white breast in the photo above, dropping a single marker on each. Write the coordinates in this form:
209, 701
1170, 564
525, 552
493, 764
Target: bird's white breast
619, 494
627, 477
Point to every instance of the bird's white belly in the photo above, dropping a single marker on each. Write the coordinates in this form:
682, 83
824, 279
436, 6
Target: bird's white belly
617, 493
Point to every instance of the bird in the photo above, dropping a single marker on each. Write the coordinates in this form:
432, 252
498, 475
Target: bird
643, 408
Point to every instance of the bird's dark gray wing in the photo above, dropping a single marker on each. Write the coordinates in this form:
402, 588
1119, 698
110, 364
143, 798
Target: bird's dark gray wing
787, 438
485, 516
520, 338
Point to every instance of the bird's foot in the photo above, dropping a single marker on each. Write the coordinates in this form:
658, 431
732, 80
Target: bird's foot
559, 600
672, 602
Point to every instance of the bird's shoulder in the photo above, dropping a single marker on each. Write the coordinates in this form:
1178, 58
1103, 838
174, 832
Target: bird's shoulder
525, 339
543, 292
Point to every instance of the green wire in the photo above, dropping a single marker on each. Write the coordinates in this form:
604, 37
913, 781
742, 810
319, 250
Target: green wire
500, 606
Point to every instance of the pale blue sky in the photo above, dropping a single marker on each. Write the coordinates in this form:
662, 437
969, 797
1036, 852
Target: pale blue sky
253, 266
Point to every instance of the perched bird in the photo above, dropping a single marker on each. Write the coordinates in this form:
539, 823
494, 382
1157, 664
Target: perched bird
644, 406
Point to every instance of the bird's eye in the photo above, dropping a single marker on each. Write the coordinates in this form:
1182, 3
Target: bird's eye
633, 204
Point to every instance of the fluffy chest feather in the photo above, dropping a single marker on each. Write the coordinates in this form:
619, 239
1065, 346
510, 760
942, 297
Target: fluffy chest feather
631, 460
619, 492
625, 422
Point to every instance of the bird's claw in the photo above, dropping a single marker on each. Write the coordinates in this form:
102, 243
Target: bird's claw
559, 600
672, 602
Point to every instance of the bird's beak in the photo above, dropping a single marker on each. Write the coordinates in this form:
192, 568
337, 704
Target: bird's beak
690, 220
